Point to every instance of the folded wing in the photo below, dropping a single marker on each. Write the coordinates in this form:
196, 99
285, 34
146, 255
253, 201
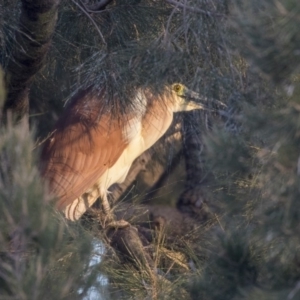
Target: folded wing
82, 147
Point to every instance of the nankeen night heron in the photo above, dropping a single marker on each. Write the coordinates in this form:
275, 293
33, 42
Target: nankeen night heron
88, 152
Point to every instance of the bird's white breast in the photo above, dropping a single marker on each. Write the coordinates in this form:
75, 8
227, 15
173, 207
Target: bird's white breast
138, 139
117, 173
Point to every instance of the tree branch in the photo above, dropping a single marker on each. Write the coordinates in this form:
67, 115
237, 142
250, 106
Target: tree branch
33, 37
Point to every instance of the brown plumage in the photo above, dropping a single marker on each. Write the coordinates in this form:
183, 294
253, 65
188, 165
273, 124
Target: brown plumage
89, 151
82, 147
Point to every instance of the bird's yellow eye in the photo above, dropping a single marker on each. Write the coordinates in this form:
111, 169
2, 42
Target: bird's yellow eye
178, 88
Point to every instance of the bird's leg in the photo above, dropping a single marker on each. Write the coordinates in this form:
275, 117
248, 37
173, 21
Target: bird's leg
109, 219
105, 204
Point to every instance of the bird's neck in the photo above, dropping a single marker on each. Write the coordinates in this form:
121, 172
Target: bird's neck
155, 122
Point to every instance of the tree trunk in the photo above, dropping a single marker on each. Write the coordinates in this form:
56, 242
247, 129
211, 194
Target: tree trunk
33, 37
193, 199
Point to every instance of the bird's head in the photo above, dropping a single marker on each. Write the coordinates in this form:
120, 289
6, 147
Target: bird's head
184, 99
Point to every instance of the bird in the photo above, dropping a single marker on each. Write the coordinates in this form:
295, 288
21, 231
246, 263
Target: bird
88, 151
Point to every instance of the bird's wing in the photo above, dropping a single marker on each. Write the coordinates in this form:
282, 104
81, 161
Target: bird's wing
79, 152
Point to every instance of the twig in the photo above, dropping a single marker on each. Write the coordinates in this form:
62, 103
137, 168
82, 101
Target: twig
39, 143
194, 9
92, 20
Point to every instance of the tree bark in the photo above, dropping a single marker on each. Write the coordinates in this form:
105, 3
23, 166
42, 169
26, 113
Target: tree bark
193, 200
33, 37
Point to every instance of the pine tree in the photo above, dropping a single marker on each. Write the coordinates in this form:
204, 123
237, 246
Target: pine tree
255, 250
